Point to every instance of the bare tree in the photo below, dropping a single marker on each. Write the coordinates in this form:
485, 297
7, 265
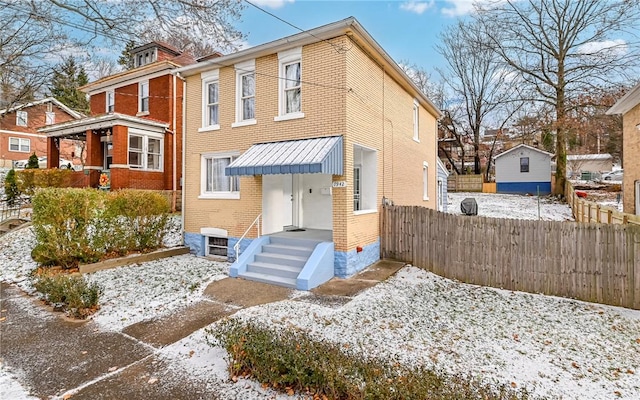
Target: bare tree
560, 47
432, 88
476, 78
34, 32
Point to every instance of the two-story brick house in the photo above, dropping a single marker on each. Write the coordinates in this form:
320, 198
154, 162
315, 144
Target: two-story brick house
19, 136
134, 132
629, 107
292, 146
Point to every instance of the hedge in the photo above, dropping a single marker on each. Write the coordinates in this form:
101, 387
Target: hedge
76, 226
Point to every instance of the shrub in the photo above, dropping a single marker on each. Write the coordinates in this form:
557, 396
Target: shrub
33, 162
11, 187
76, 297
291, 361
31, 179
74, 226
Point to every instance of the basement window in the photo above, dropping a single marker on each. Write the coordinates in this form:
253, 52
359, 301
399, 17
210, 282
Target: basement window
217, 246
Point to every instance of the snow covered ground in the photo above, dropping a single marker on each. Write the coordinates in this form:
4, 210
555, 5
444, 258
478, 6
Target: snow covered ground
512, 206
555, 347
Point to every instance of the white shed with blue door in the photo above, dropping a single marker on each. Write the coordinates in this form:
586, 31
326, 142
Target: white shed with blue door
523, 170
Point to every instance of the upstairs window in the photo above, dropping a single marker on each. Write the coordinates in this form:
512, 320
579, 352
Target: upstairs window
290, 84
49, 118
524, 164
144, 97
210, 101
245, 93
416, 121
111, 101
21, 118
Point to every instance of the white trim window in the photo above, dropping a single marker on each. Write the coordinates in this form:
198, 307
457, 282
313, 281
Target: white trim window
145, 152
210, 101
365, 180
416, 121
143, 96
245, 93
20, 145
21, 118
49, 118
290, 84
111, 101
215, 184
440, 194
425, 181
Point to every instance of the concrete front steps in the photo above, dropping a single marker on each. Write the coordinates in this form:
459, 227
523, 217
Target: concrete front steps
290, 262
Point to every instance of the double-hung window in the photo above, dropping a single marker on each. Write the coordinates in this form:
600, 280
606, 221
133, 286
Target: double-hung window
245, 93
49, 118
210, 101
290, 85
416, 121
214, 182
364, 180
111, 100
21, 118
143, 95
425, 181
19, 144
357, 188
524, 164
145, 152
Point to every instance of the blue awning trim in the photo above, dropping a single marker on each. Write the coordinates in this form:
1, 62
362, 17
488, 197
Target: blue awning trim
306, 156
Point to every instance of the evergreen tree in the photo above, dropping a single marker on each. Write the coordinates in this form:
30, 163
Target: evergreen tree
11, 187
126, 58
33, 162
67, 78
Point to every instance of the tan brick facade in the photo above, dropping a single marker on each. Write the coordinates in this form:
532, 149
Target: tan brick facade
630, 157
344, 92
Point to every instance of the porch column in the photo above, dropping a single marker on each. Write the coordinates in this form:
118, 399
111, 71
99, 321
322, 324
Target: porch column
94, 150
120, 165
53, 152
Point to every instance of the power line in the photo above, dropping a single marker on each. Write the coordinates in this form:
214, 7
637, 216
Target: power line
339, 49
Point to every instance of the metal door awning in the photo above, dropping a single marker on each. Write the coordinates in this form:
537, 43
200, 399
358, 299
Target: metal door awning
306, 156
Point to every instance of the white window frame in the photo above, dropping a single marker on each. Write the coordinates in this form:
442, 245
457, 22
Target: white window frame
142, 97
144, 152
234, 184
110, 101
208, 78
22, 118
242, 69
49, 117
20, 142
440, 194
416, 121
425, 181
366, 159
286, 58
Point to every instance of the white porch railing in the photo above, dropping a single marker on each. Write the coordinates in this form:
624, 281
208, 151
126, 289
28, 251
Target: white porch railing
256, 222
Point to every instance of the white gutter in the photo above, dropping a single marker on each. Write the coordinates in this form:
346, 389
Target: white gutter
175, 132
184, 138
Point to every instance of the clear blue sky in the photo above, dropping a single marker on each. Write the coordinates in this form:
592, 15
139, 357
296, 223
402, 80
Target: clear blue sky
407, 30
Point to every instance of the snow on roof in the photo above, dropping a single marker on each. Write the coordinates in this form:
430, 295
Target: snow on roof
581, 157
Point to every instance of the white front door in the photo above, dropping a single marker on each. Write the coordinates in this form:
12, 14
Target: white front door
287, 200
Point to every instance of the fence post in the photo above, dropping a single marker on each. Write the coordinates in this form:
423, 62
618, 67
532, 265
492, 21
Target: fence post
598, 213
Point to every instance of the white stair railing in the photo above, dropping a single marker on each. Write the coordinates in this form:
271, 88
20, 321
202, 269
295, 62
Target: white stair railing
256, 222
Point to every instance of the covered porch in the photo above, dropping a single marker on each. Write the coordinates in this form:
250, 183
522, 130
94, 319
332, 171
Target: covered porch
129, 151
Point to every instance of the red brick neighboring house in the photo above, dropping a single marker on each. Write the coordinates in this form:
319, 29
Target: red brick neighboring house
134, 132
19, 136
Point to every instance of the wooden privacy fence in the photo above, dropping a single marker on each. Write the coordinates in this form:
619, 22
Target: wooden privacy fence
592, 262
589, 211
464, 183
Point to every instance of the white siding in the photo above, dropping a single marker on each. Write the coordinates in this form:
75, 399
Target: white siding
508, 166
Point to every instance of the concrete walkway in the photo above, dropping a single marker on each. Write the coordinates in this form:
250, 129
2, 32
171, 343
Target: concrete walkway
58, 358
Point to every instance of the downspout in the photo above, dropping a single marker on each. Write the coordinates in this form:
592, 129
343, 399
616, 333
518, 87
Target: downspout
175, 162
184, 136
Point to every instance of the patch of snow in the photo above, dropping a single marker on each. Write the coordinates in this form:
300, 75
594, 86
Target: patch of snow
10, 387
512, 206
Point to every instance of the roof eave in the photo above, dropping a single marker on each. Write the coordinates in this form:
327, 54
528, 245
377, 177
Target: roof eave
626, 102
